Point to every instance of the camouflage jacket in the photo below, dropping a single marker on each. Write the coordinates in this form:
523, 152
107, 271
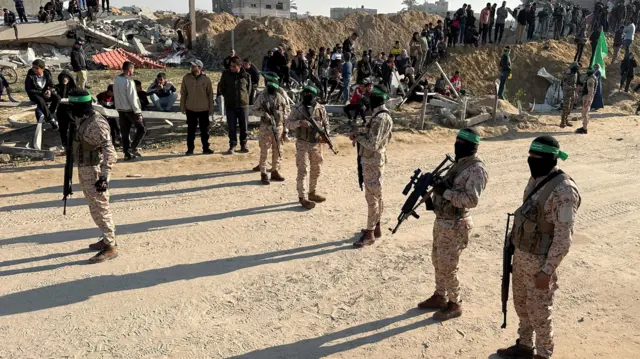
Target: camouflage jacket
375, 138
560, 209
275, 105
299, 114
93, 134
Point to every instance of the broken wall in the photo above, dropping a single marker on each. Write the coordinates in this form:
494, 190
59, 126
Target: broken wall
30, 6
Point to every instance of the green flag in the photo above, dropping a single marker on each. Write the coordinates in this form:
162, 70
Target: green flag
600, 53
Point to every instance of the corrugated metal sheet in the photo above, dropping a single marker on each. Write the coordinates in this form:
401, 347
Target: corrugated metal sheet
114, 60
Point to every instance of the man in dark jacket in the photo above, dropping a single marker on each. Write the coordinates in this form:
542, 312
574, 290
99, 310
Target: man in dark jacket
20, 10
364, 69
531, 22
235, 85
79, 63
278, 64
9, 17
505, 71
617, 43
63, 113
254, 75
627, 70
522, 23
559, 14
299, 68
39, 87
227, 60
461, 15
265, 62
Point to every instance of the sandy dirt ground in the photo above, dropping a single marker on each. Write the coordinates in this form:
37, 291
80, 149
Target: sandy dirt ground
214, 265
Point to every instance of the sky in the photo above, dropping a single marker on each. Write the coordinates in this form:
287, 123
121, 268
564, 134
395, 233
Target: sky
315, 7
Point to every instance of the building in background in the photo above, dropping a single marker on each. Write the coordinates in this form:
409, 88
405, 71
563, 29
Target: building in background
440, 7
338, 13
251, 9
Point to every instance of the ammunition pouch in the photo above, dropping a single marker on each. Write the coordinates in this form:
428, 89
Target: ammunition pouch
84, 153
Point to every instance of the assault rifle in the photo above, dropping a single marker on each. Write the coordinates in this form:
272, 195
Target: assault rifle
274, 127
321, 131
68, 167
420, 184
507, 268
354, 130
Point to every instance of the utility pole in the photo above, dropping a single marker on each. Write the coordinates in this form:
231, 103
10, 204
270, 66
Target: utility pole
192, 19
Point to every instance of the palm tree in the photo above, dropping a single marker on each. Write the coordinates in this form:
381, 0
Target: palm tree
410, 4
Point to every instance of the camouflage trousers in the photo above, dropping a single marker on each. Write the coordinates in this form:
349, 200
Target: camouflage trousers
266, 143
308, 154
534, 306
450, 237
98, 202
586, 107
567, 103
372, 175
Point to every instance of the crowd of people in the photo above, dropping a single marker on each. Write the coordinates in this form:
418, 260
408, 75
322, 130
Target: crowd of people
54, 11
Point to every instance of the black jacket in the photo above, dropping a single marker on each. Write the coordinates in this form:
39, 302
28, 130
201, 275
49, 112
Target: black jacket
235, 87
522, 16
61, 89
277, 62
78, 61
299, 66
265, 63
254, 74
628, 66
505, 63
31, 85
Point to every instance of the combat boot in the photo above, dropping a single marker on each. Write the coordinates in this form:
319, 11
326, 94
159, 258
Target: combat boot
256, 168
307, 204
100, 245
109, 253
436, 301
377, 232
275, 176
452, 310
366, 239
316, 198
517, 351
264, 179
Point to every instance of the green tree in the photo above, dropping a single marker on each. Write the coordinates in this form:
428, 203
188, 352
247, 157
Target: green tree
410, 4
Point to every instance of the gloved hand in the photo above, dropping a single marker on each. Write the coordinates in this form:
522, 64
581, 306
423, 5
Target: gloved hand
102, 185
439, 188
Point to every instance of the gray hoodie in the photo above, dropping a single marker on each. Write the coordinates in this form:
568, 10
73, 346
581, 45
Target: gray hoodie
125, 95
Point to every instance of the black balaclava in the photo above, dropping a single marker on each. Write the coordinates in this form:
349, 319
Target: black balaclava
272, 88
378, 96
465, 147
308, 98
543, 165
81, 104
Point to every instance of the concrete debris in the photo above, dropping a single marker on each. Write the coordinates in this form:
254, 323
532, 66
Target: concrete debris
5, 158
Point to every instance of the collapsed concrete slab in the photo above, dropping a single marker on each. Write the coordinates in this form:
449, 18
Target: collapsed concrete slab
54, 33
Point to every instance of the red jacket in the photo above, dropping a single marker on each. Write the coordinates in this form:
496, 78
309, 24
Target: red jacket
357, 94
456, 82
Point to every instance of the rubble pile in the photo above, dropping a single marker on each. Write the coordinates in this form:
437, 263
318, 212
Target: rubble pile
253, 38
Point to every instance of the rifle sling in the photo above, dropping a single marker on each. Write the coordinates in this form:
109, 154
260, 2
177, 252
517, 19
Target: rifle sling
542, 184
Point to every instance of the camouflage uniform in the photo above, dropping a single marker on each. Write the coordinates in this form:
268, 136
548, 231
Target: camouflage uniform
569, 91
453, 222
277, 107
308, 146
534, 306
373, 154
587, 99
95, 155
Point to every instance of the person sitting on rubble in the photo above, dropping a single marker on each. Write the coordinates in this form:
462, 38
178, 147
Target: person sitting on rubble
441, 86
57, 7
73, 9
162, 93
359, 101
142, 95
43, 15
39, 87
64, 86
456, 81
106, 100
92, 9
4, 84
9, 17
299, 68
403, 62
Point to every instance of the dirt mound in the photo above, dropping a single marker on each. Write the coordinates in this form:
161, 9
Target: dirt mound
206, 23
253, 38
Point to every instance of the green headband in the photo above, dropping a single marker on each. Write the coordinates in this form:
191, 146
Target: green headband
468, 136
273, 84
80, 99
378, 92
275, 79
310, 89
541, 147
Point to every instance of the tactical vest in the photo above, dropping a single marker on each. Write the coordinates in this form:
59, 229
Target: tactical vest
570, 80
531, 232
85, 154
443, 208
308, 134
271, 107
